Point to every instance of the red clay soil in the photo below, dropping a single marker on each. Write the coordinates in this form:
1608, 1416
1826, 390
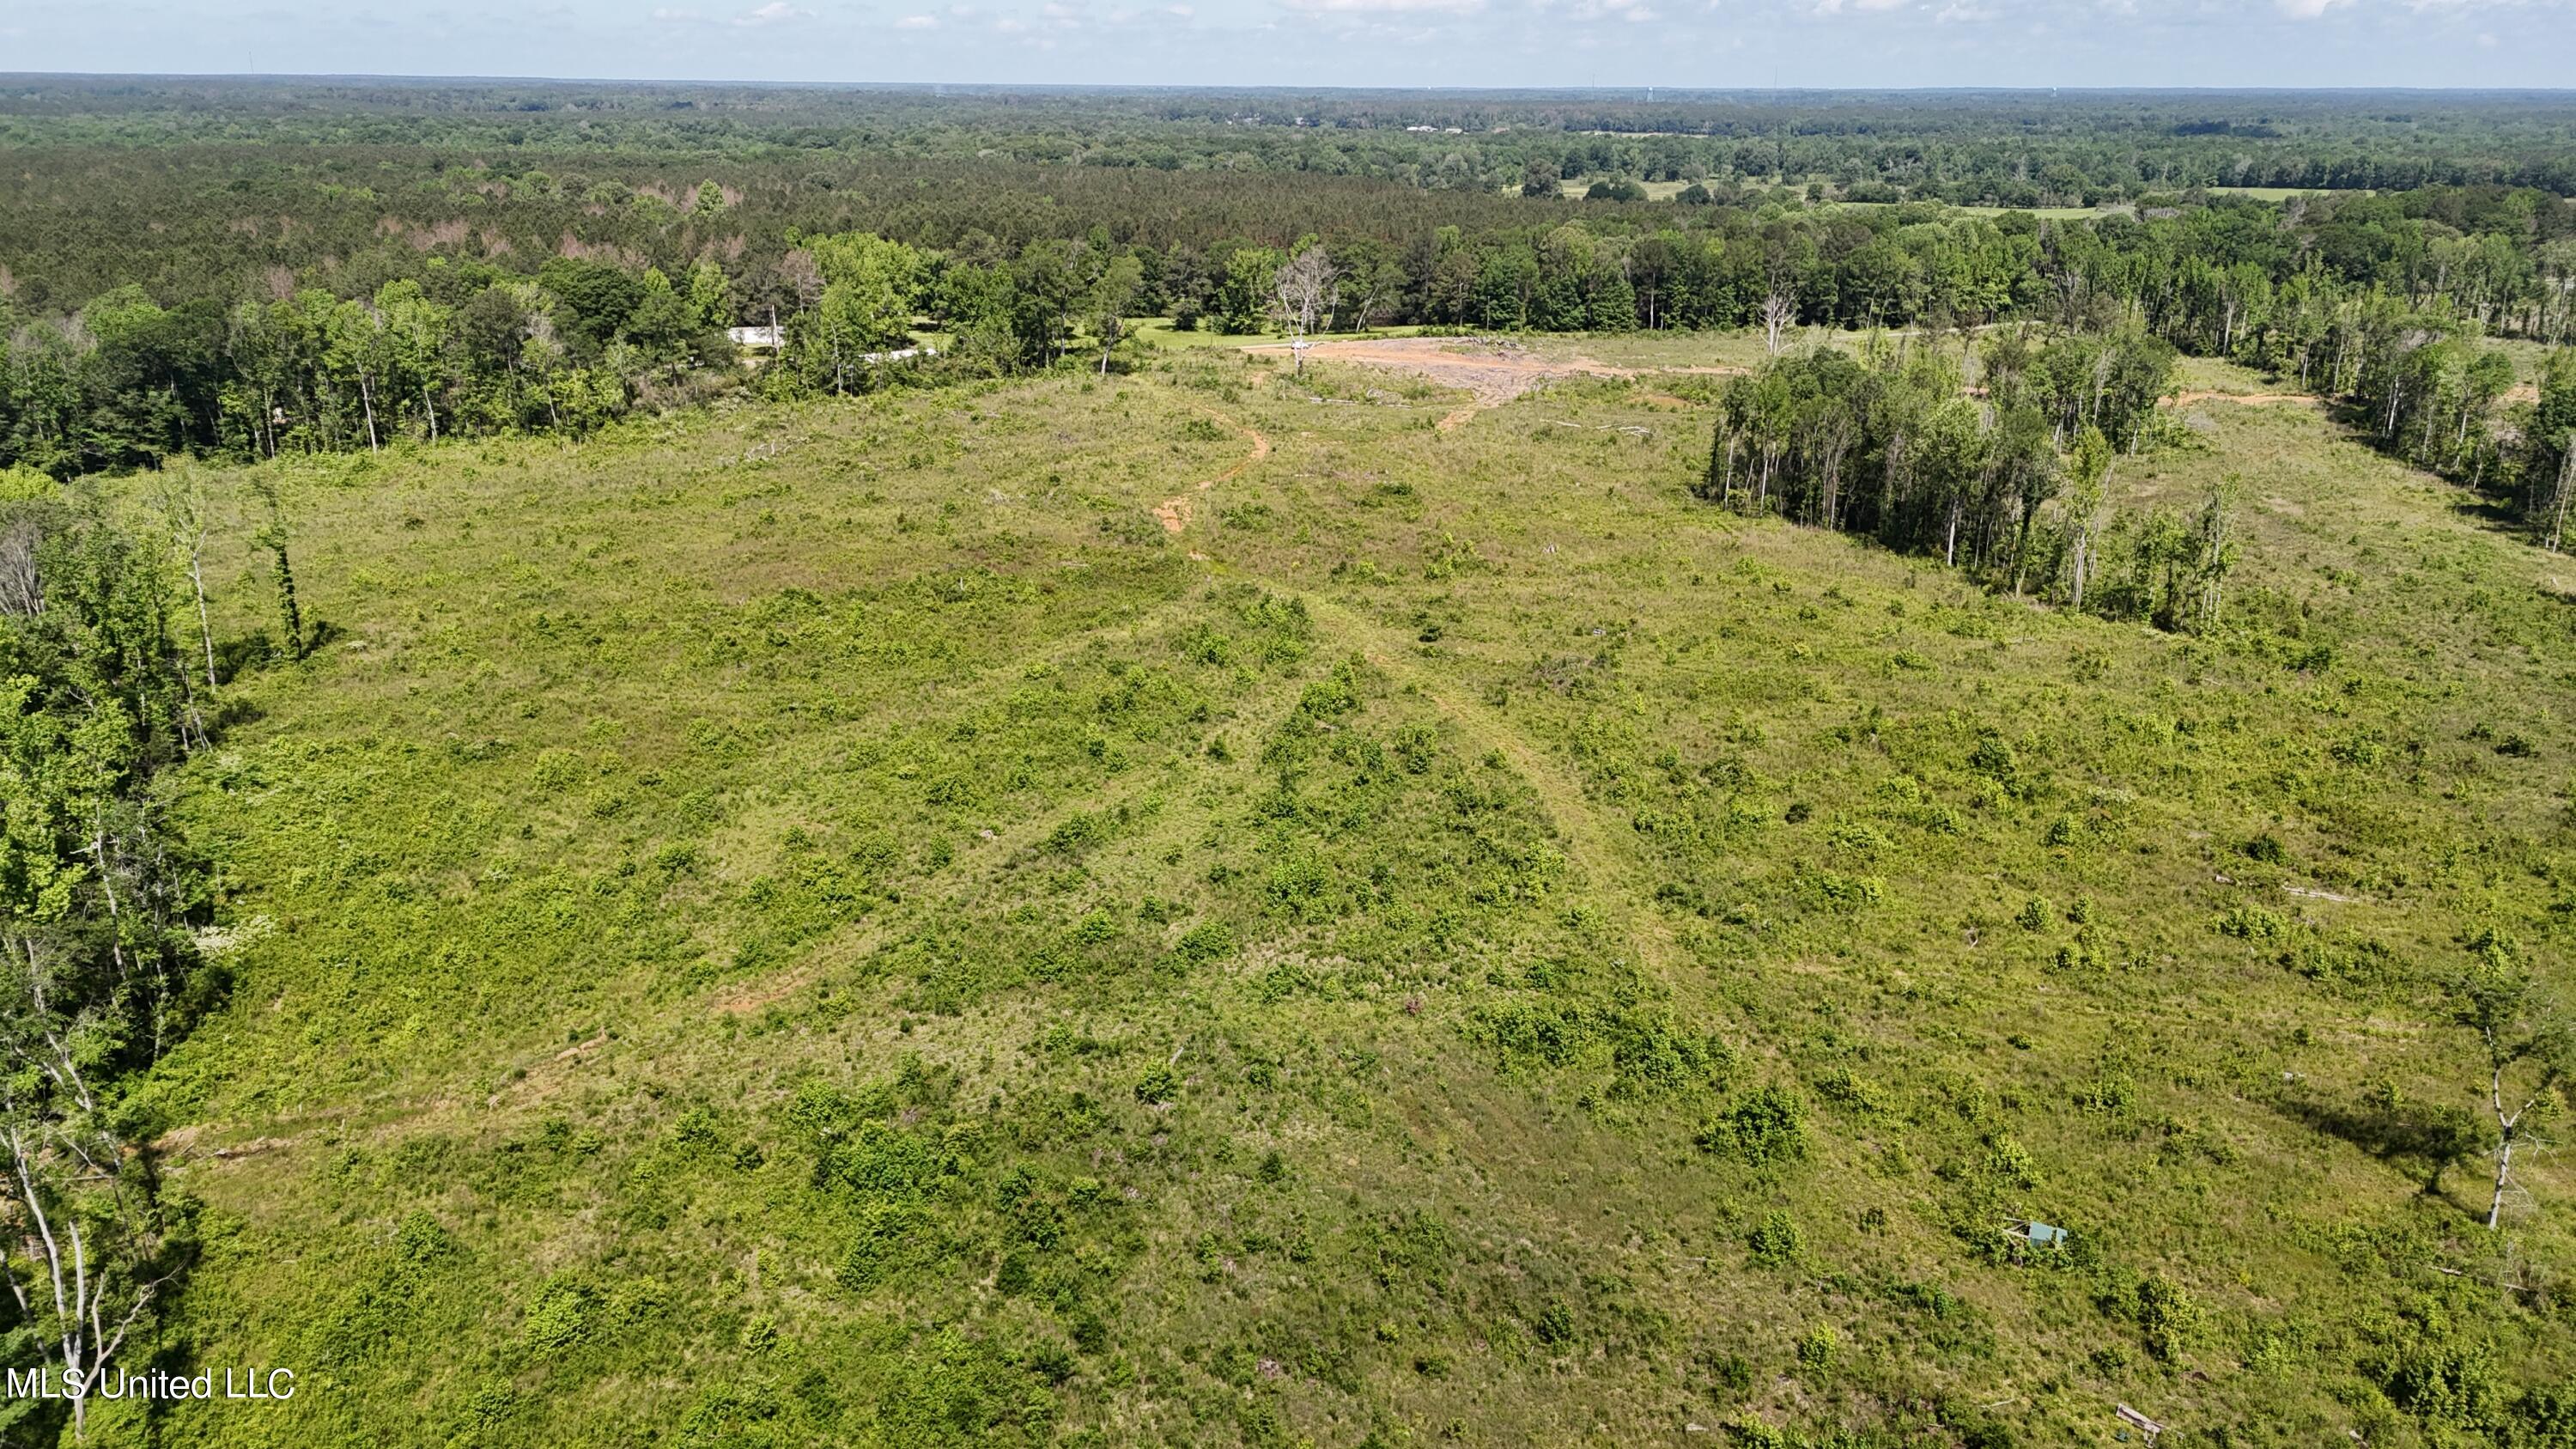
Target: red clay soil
1175, 512
1492, 372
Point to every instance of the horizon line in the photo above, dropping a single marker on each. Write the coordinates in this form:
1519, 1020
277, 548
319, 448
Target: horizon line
1676, 92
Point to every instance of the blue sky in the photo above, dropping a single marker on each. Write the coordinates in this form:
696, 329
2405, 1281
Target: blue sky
1712, 43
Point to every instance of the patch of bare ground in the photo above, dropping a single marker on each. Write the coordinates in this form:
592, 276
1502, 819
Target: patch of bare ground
1491, 371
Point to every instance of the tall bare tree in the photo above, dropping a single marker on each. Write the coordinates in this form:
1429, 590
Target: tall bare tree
2560, 492
2530, 1044
185, 506
90, 1241
2088, 473
1107, 305
1779, 310
1305, 287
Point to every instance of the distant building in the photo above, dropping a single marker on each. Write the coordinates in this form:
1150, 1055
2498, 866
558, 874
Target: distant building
759, 342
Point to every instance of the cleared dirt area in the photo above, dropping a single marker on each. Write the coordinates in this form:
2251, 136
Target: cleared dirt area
2249, 399
1492, 371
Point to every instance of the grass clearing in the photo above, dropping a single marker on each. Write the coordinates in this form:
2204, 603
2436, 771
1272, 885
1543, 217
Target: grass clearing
827, 924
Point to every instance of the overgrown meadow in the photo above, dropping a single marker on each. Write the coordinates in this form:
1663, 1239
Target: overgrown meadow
826, 923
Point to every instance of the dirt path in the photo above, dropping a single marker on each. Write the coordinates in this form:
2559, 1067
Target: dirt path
1491, 372
1587, 843
1175, 512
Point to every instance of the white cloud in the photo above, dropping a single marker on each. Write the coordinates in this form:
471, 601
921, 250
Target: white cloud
2308, 9
917, 22
1179, 12
1386, 7
772, 13
1589, 10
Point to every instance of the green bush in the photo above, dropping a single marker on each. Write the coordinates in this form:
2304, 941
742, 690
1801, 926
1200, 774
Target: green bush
558, 1318
2545, 1418
1994, 759
1818, 1347
2111, 1094
883, 1161
557, 769
890, 1237
1728, 1377
1847, 1089
2168, 1317
1776, 1241
1160, 1083
2448, 1384
1207, 941
2253, 923
1077, 832
1765, 1127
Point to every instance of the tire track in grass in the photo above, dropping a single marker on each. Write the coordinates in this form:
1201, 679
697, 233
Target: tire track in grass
1588, 844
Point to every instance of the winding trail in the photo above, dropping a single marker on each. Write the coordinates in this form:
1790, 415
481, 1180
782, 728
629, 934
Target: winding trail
1174, 512
1589, 845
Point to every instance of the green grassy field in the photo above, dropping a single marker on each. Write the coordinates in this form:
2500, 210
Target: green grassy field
1655, 190
2053, 213
1667, 190
1159, 332
827, 924
2273, 193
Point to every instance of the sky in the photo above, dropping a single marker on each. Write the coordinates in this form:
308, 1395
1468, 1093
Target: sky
1722, 44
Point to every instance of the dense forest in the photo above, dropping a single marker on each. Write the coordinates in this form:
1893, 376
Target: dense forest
2017, 148
107, 678
171, 286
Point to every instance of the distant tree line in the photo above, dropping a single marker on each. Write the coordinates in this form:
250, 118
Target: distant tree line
1969, 149
452, 335
355, 278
